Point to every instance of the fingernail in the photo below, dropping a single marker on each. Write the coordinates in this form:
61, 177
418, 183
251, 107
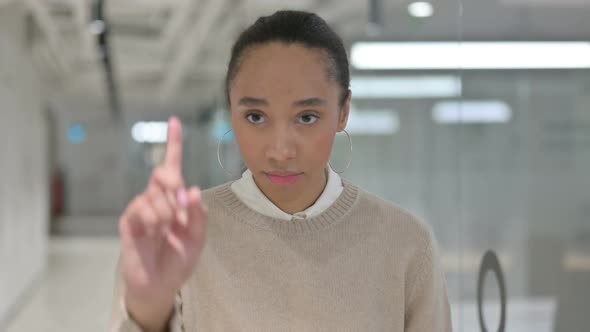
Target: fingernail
182, 198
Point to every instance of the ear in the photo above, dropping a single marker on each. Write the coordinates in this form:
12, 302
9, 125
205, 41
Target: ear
344, 112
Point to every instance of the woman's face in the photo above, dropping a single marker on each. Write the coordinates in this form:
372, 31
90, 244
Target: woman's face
285, 112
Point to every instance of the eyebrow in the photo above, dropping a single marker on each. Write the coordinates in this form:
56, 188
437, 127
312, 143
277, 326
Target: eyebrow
310, 102
254, 102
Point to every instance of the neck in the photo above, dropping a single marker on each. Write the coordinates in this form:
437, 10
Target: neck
292, 201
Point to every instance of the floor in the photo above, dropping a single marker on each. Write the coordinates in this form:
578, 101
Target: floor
75, 294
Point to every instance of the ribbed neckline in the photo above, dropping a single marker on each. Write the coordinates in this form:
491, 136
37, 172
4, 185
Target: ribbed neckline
332, 215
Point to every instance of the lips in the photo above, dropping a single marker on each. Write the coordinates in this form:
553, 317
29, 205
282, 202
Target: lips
283, 178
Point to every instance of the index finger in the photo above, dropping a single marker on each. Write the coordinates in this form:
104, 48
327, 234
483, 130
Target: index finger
173, 157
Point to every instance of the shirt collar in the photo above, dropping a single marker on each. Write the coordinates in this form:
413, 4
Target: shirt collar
249, 193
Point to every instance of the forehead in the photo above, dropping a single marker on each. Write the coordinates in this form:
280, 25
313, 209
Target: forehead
277, 70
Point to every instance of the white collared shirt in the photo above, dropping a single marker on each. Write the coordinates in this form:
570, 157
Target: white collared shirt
249, 193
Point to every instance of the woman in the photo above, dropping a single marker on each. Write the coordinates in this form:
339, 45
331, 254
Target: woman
290, 245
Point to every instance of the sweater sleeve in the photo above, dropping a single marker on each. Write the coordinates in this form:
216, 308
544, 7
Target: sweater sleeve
122, 322
427, 307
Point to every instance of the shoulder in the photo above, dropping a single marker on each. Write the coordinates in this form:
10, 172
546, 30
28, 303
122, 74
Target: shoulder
392, 215
211, 194
404, 237
392, 218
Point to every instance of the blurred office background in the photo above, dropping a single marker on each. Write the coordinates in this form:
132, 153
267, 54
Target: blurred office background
490, 143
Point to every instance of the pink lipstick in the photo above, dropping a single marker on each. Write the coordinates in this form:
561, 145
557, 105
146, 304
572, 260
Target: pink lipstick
283, 178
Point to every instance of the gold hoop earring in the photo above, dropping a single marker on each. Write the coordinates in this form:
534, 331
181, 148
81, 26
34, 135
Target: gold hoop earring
350, 155
219, 157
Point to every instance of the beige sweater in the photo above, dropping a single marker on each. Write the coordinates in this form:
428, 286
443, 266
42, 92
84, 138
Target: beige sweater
363, 264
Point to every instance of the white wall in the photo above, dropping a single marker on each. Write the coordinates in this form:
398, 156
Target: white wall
94, 171
23, 167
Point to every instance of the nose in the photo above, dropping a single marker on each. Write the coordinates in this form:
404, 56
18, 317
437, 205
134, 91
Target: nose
282, 146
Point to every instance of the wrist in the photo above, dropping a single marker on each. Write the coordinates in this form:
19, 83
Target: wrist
152, 314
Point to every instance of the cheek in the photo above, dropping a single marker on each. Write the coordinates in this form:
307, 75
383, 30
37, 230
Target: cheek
320, 147
247, 142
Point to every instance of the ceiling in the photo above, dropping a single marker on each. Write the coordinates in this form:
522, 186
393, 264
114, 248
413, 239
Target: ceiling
166, 51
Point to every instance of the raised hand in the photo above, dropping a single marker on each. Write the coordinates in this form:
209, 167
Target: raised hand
162, 234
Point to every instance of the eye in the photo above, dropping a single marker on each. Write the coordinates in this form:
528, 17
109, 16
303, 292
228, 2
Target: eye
308, 119
255, 118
